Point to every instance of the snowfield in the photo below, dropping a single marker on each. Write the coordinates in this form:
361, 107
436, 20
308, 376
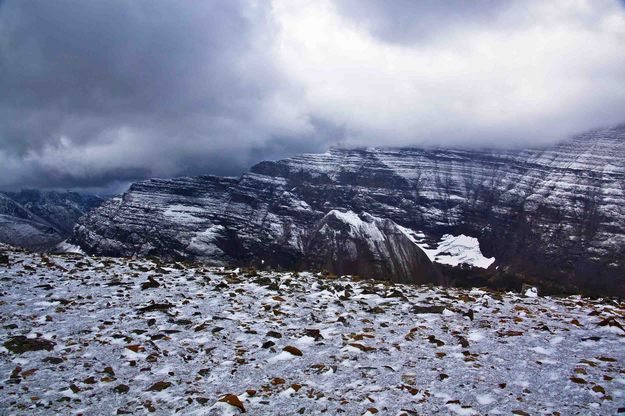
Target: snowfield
106, 336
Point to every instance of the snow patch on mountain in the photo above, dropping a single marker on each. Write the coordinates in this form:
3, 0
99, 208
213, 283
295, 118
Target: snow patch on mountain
183, 213
365, 226
204, 242
452, 250
459, 249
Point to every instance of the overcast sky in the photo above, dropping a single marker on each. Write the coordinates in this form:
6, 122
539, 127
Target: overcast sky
98, 93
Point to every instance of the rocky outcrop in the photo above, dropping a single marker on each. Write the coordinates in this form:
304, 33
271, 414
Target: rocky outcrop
553, 214
348, 243
40, 220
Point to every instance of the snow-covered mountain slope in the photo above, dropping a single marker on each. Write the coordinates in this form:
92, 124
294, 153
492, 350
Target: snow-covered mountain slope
364, 245
88, 335
554, 214
40, 220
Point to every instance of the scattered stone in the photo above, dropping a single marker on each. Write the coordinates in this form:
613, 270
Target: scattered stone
121, 389
578, 380
612, 322
418, 309
436, 341
362, 347
150, 284
293, 350
233, 400
159, 386
156, 307
313, 333
20, 344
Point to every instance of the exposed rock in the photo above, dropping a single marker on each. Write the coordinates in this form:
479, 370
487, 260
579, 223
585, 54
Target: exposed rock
233, 400
150, 284
160, 386
20, 344
121, 389
313, 333
293, 350
427, 309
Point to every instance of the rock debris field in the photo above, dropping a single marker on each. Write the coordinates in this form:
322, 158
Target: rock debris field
106, 336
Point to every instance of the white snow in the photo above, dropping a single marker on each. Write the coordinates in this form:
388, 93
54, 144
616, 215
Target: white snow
485, 399
475, 336
452, 249
183, 213
203, 242
461, 249
65, 247
211, 342
358, 226
531, 292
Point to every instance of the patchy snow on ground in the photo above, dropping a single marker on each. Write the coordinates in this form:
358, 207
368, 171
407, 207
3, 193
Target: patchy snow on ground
83, 335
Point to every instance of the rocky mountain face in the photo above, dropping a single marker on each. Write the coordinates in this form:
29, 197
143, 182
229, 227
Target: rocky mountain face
553, 215
40, 220
351, 244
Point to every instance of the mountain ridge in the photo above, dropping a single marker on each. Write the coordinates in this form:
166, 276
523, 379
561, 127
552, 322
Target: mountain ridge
551, 214
41, 219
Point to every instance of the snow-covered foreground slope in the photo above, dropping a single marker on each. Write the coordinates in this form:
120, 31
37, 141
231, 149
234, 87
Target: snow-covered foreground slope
121, 336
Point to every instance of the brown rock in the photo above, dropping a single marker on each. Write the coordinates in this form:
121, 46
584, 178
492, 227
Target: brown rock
20, 344
121, 389
160, 386
292, 350
362, 347
233, 400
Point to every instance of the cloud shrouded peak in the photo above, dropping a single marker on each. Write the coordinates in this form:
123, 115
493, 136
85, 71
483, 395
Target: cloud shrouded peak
98, 92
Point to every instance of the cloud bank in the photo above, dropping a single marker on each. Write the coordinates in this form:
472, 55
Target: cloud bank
97, 93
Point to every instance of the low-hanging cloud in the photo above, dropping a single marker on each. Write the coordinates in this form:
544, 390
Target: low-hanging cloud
93, 93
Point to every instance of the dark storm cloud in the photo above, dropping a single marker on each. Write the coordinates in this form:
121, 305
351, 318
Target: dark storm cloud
133, 88
98, 93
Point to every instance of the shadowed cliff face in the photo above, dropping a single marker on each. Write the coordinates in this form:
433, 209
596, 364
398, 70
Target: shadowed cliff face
364, 245
551, 214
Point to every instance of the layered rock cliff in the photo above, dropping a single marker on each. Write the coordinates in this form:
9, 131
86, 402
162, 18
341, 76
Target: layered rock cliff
550, 214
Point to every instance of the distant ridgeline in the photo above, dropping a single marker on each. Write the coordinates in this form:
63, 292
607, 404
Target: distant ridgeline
553, 217
41, 220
